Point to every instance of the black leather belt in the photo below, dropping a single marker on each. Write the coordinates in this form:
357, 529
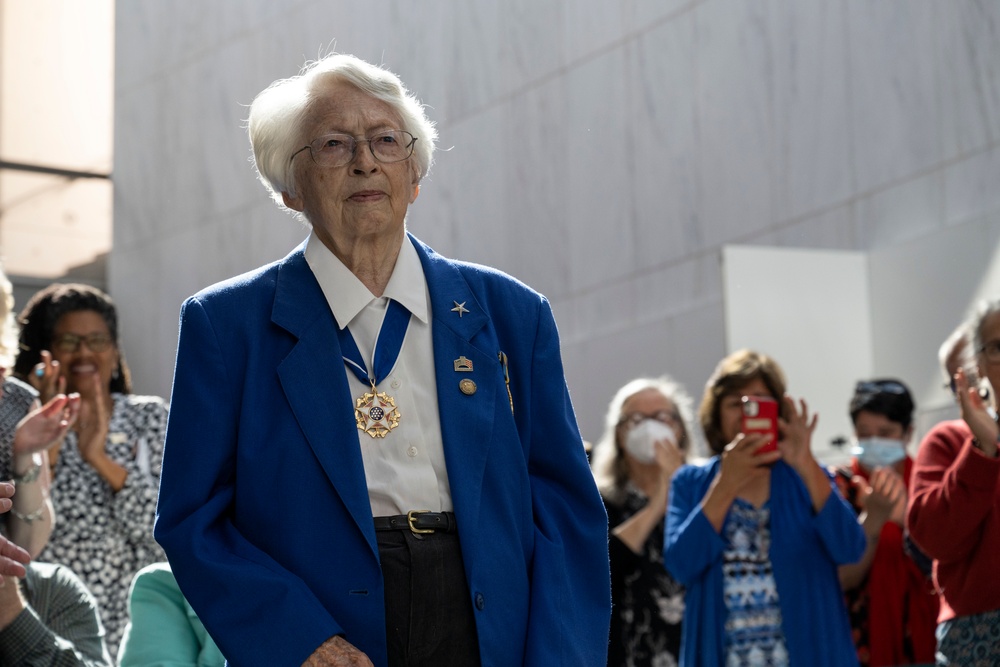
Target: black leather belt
419, 522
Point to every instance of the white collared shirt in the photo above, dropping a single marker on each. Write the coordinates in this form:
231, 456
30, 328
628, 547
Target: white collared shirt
405, 470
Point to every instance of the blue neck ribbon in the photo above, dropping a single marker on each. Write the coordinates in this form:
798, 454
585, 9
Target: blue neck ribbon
387, 346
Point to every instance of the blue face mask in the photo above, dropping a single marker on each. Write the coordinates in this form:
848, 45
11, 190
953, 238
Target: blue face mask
875, 453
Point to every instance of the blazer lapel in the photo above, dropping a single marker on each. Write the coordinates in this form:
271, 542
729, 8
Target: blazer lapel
313, 378
466, 419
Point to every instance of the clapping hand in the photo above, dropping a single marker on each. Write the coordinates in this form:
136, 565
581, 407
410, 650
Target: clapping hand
46, 379
975, 413
46, 425
796, 435
93, 424
883, 497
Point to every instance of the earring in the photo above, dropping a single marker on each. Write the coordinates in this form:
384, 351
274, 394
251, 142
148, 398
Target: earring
116, 374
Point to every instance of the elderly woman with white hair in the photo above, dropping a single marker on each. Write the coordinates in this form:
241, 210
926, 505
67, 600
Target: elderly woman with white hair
372, 458
646, 439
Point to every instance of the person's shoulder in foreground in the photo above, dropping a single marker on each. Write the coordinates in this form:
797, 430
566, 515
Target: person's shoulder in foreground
164, 629
60, 625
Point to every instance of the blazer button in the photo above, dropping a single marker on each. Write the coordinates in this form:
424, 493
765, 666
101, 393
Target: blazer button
480, 601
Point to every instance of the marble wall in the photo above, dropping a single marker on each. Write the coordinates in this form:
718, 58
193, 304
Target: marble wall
602, 152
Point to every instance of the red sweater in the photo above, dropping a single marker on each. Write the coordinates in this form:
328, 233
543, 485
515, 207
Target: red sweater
953, 515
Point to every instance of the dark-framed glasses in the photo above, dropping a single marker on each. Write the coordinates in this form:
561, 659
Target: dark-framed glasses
336, 150
991, 351
633, 419
69, 343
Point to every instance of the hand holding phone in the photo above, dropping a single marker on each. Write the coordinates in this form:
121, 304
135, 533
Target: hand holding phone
760, 415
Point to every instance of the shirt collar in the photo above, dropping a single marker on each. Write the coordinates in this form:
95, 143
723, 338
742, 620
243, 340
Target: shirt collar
347, 295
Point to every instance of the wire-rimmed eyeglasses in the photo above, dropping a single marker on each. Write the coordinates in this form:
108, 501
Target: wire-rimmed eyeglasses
991, 351
336, 150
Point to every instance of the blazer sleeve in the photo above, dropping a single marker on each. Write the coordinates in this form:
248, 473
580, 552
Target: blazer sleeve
691, 543
570, 594
239, 592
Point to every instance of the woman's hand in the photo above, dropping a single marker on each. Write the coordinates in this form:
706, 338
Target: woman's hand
975, 413
93, 424
46, 425
669, 458
337, 652
92, 436
883, 497
12, 557
795, 442
741, 462
46, 379
795, 445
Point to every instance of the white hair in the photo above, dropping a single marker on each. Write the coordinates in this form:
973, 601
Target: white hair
952, 350
608, 462
277, 114
8, 325
973, 327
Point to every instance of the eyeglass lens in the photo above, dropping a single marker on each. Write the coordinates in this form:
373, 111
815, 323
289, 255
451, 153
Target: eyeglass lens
97, 342
991, 351
335, 150
635, 418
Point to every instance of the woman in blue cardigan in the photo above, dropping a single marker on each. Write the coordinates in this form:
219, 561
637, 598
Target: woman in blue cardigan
756, 537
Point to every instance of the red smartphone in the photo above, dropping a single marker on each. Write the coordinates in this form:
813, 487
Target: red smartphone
760, 415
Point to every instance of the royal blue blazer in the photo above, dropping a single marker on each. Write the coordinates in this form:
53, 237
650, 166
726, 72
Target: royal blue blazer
263, 508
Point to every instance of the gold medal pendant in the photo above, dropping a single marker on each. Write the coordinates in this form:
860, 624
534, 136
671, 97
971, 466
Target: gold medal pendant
376, 413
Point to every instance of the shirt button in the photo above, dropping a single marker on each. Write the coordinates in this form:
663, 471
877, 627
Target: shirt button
395, 383
411, 452
480, 601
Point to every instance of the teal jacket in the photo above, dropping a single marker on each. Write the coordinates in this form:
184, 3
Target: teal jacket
164, 630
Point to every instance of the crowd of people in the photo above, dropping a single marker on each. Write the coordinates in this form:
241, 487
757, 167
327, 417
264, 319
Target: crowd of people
371, 458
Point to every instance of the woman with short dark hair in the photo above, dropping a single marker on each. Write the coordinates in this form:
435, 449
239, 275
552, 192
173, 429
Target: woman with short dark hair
890, 599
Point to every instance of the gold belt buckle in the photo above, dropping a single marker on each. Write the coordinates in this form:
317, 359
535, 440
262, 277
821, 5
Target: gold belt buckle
411, 518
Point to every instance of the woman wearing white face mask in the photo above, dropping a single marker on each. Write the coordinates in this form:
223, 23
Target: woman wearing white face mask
890, 600
646, 439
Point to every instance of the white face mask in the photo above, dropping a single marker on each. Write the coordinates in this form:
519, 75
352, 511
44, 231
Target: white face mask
641, 439
875, 453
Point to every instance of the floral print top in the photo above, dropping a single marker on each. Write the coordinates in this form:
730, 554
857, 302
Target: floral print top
103, 536
647, 604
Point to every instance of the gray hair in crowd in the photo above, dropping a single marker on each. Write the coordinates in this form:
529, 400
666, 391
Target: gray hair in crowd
973, 327
279, 111
608, 460
951, 354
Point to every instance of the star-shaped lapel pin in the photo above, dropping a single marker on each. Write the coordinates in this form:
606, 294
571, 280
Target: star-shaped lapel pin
459, 308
